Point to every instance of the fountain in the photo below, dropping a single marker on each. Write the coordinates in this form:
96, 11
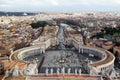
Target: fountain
62, 59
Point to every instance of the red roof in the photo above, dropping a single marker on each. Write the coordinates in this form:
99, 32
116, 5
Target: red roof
106, 78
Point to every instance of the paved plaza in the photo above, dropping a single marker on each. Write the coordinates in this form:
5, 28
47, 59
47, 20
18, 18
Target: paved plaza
67, 59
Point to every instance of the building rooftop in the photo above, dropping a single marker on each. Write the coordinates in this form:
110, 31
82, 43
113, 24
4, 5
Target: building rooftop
66, 77
16, 78
117, 47
74, 34
50, 30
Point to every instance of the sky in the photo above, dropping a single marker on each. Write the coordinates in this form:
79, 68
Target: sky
59, 5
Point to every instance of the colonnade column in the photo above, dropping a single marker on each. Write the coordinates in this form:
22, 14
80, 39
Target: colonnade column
75, 71
80, 50
46, 71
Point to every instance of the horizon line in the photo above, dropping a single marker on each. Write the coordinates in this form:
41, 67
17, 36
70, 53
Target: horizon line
59, 11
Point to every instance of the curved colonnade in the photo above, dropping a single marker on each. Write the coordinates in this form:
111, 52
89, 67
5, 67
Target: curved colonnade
106, 63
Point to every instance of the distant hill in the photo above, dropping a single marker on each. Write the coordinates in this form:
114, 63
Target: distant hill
16, 13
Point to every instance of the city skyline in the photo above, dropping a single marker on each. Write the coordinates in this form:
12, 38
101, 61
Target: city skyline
59, 44
59, 5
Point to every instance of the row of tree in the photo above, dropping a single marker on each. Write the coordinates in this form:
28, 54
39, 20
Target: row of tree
108, 31
39, 24
111, 31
